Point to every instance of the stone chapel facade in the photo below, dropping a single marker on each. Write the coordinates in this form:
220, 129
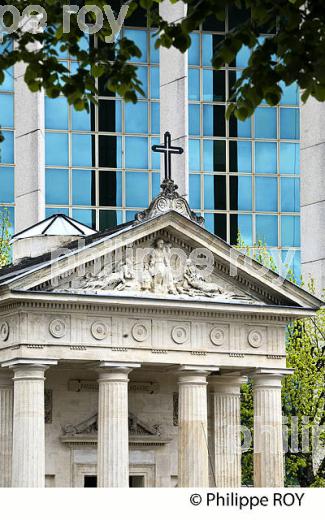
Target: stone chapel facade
122, 360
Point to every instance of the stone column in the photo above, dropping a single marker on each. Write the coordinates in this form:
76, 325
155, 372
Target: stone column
193, 459
312, 200
113, 427
6, 400
28, 458
226, 425
174, 98
29, 150
268, 443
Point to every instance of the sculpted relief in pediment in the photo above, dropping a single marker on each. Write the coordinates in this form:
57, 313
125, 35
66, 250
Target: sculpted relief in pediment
158, 270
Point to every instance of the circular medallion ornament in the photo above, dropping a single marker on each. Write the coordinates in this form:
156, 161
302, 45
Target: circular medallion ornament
180, 206
255, 338
162, 204
4, 331
217, 336
180, 335
140, 332
99, 330
57, 328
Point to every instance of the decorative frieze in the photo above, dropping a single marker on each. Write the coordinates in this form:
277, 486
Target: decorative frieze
4, 331
57, 328
99, 330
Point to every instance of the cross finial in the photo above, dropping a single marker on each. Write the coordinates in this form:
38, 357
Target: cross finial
168, 150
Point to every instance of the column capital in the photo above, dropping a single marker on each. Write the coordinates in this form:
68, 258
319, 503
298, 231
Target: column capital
29, 363
115, 372
227, 383
268, 377
194, 374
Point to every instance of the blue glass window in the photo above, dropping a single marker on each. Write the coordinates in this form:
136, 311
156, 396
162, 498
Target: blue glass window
7, 188
56, 113
109, 219
6, 110
266, 194
194, 119
136, 189
214, 156
140, 39
290, 194
142, 74
215, 192
265, 158
57, 186
155, 118
154, 53
136, 117
194, 84
194, 154
240, 156
289, 158
110, 188
290, 231
265, 123
109, 116
85, 216
110, 151
241, 227
155, 157
56, 149
195, 191
8, 83
7, 148
155, 184
154, 83
291, 261
267, 229
214, 123
289, 123
214, 86
209, 42
81, 120
240, 193
290, 94
83, 150
194, 50
239, 128
136, 152
83, 188
54, 211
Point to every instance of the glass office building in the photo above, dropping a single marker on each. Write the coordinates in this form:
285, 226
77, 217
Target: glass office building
244, 176
99, 168
99, 165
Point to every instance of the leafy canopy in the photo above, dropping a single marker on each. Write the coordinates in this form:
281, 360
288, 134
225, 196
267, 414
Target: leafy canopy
295, 51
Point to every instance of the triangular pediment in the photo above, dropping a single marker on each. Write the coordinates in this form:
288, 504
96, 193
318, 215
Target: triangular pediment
166, 257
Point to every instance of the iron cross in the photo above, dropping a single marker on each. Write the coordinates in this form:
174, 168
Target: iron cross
168, 150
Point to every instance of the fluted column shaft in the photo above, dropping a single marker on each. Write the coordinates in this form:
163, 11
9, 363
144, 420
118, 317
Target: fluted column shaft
113, 430
268, 443
6, 403
193, 469
226, 422
28, 459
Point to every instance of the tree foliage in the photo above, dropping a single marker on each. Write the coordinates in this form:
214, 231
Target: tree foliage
4, 238
303, 397
293, 51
